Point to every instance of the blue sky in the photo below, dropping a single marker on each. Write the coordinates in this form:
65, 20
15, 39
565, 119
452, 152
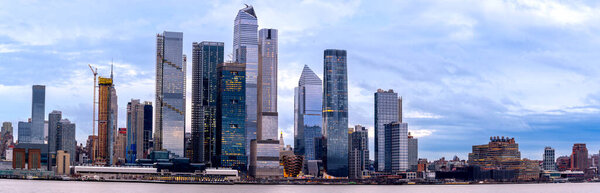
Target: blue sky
467, 70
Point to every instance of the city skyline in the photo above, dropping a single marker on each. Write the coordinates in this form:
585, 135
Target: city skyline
510, 102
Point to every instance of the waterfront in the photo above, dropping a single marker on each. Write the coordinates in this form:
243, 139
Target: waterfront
23, 186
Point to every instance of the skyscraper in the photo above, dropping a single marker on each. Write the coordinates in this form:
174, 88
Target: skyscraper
65, 137
396, 147
24, 132
38, 103
413, 152
387, 109
134, 149
359, 152
107, 120
335, 111
245, 51
549, 163
579, 157
264, 151
205, 58
170, 93
308, 107
147, 128
231, 114
53, 136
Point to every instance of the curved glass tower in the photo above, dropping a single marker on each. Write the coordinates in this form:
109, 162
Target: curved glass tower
335, 111
245, 51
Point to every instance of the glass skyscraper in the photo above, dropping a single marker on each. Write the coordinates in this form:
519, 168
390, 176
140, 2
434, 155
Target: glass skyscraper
335, 111
308, 107
170, 93
413, 152
205, 58
245, 51
231, 114
38, 103
396, 147
147, 127
387, 110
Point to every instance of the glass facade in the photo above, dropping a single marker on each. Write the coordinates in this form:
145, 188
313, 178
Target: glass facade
170, 93
267, 84
38, 103
205, 58
335, 111
231, 114
308, 102
24, 132
245, 51
386, 111
135, 131
413, 152
65, 138
147, 127
396, 147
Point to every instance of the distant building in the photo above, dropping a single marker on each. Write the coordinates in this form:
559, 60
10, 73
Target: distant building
308, 120
563, 163
6, 139
38, 103
413, 152
120, 146
63, 166
549, 163
65, 138
396, 147
205, 58
137, 126
335, 111
358, 156
231, 115
170, 93
503, 154
388, 109
24, 132
148, 110
579, 157
107, 120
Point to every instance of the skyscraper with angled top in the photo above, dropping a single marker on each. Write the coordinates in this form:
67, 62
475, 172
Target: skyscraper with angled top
308, 119
335, 111
245, 51
170, 93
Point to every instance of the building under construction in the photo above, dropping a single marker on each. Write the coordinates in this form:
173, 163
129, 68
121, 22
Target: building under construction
107, 120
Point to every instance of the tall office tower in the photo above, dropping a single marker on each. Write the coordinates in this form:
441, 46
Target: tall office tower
388, 108
135, 131
53, 119
359, 152
413, 152
38, 102
231, 114
65, 138
120, 146
147, 128
245, 51
107, 120
205, 58
264, 151
335, 111
24, 132
170, 93
549, 163
308, 107
396, 147
579, 158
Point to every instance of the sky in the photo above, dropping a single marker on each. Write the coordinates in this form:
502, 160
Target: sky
466, 70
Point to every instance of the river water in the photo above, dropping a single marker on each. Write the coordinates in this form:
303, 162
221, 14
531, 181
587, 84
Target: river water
38, 186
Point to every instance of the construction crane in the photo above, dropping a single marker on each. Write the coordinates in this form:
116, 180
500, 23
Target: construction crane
95, 72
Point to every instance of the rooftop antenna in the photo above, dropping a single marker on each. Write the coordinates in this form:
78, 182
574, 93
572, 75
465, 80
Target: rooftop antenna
111, 69
246, 5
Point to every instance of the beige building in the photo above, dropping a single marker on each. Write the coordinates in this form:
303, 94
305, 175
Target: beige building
63, 165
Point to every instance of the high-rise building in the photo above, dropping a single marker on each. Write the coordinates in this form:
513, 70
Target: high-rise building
65, 138
579, 157
24, 132
396, 147
231, 114
38, 103
264, 151
335, 111
53, 118
135, 130
308, 120
170, 93
359, 152
413, 152
120, 146
388, 109
205, 58
549, 163
147, 128
107, 120
245, 51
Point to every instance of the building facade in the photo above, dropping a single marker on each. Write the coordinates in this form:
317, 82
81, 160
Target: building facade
549, 163
205, 58
335, 111
65, 138
245, 51
107, 120
579, 157
6, 139
308, 119
136, 124
170, 93
358, 153
413, 152
38, 103
396, 147
387, 110
231, 114
148, 113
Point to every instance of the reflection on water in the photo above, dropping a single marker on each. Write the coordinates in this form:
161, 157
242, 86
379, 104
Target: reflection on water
18, 186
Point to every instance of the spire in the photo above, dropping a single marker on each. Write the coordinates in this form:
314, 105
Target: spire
111, 69
309, 77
